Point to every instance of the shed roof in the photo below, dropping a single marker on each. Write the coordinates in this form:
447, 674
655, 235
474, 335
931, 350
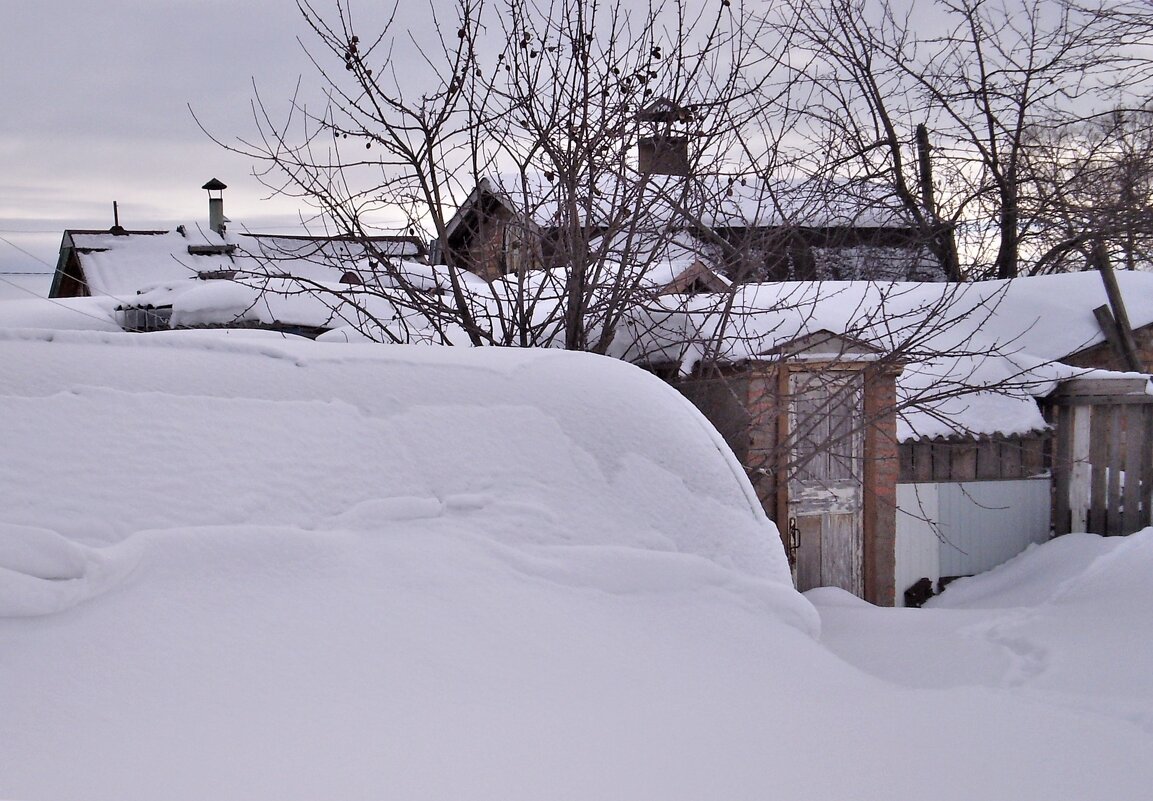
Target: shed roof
978, 356
124, 263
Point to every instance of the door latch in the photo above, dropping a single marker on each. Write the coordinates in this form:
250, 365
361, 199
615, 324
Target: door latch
794, 539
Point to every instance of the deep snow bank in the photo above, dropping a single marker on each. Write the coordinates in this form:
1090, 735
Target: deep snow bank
113, 434
238, 568
1065, 623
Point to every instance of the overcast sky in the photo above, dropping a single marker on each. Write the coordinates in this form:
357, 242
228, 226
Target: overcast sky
94, 108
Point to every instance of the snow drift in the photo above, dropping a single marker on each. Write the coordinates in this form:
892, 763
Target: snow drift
1063, 624
119, 435
239, 567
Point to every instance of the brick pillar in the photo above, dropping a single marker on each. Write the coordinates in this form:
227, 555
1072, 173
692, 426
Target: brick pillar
882, 466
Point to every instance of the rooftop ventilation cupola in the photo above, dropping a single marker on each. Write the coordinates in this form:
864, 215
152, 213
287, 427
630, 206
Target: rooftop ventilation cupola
216, 218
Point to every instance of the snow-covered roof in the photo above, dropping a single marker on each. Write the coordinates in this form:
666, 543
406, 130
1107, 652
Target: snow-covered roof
714, 200
331, 249
976, 356
127, 263
122, 264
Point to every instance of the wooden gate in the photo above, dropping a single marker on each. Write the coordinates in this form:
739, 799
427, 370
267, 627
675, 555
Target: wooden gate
825, 495
1103, 457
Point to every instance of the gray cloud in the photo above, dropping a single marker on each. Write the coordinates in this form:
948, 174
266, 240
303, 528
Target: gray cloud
95, 101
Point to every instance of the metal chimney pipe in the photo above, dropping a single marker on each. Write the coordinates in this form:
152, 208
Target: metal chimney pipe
216, 217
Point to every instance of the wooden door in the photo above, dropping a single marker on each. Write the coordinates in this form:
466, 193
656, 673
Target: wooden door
825, 493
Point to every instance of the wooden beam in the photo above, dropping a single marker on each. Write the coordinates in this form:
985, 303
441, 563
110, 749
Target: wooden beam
1100, 390
1112, 334
1117, 303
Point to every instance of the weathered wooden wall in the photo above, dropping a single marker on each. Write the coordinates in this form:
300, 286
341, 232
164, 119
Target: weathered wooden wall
988, 459
1103, 356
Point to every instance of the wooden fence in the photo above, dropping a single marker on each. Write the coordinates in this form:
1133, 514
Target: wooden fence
966, 459
1103, 456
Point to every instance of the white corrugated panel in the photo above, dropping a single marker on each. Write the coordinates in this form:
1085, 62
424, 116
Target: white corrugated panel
918, 546
985, 523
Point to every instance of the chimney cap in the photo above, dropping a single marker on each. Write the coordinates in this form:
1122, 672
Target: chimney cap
665, 110
214, 185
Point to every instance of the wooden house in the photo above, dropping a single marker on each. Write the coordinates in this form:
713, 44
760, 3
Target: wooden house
146, 270
743, 227
746, 226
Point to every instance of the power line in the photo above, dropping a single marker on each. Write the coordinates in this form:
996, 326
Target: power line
54, 301
27, 253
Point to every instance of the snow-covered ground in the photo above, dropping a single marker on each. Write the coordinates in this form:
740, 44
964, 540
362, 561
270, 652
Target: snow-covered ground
237, 566
1063, 624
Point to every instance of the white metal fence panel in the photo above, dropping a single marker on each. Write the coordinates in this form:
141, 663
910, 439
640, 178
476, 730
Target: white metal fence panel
986, 523
918, 546
962, 528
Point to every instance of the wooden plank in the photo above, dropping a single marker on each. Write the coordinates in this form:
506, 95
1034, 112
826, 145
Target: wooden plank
1113, 525
1136, 440
923, 462
1138, 399
1011, 461
1062, 469
837, 496
1098, 459
784, 434
962, 460
1033, 457
942, 462
808, 553
1080, 485
905, 454
844, 414
988, 460
1108, 326
841, 562
1146, 517
1117, 303
1077, 390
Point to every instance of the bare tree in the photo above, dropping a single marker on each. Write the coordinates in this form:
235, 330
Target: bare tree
560, 154
1095, 181
542, 108
538, 115
984, 77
